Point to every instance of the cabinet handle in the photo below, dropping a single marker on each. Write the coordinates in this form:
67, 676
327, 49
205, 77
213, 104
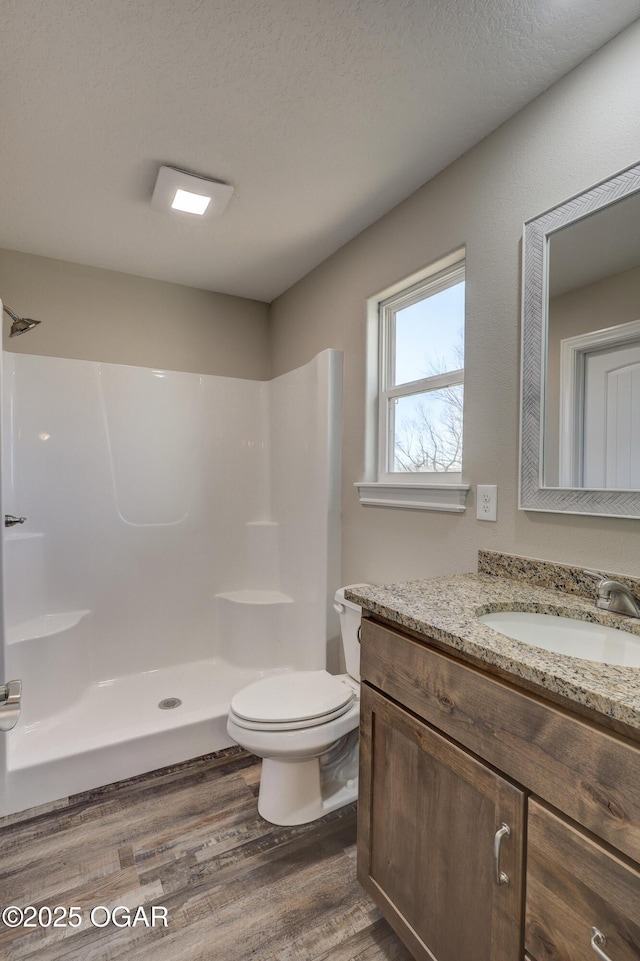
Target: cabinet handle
503, 832
598, 942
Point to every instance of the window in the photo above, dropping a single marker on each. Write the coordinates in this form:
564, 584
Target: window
420, 391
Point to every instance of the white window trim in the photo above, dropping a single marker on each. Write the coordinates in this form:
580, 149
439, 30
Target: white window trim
383, 488
450, 498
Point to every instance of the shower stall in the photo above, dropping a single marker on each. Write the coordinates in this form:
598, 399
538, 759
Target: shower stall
181, 540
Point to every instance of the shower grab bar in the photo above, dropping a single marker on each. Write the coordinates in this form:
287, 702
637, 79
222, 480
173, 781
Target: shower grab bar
10, 695
11, 521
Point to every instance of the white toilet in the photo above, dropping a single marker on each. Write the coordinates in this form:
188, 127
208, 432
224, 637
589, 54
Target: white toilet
304, 725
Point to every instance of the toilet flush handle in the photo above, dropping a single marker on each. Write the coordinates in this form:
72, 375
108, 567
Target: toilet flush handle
340, 609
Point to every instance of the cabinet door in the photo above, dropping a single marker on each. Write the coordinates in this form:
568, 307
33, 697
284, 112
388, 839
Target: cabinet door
427, 821
575, 886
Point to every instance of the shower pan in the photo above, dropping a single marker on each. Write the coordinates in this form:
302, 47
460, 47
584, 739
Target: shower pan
181, 540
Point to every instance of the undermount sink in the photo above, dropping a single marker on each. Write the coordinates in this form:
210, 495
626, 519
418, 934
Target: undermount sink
565, 635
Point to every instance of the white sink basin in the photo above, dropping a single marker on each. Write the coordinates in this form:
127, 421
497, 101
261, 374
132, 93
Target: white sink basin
564, 635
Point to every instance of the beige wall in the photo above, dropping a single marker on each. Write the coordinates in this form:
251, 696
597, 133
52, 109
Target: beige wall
93, 314
579, 132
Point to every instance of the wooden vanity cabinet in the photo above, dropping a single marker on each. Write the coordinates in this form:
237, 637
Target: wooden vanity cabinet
431, 811
448, 754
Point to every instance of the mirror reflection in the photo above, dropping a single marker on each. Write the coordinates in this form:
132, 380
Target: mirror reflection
591, 436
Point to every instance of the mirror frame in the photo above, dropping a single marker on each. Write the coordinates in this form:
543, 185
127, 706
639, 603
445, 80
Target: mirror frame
535, 273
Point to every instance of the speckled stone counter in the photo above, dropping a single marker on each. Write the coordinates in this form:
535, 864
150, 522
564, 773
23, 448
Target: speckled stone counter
447, 609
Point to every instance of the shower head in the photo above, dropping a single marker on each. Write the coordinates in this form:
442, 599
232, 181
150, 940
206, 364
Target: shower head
20, 325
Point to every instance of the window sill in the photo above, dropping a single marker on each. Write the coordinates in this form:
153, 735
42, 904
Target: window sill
414, 497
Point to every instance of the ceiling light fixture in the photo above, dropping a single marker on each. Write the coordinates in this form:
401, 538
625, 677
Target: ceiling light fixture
177, 190
190, 203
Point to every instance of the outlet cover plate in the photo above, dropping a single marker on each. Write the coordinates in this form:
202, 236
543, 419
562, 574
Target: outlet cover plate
487, 502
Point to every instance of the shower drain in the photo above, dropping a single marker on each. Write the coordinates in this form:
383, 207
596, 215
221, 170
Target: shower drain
168, 702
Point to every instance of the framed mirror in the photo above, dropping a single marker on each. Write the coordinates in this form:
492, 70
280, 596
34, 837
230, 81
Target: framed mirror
580, 377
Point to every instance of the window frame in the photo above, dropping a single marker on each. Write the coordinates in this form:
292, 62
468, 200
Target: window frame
388, 391
413, 490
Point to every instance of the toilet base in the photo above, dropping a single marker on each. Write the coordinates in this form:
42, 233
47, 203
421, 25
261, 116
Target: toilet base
299, 791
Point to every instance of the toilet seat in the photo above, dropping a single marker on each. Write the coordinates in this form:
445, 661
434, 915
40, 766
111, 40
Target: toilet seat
292, 701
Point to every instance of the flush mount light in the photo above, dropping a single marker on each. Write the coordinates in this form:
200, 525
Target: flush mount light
177, 190
190, 203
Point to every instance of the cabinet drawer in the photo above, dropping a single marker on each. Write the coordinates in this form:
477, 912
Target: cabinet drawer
573, 886
584, 771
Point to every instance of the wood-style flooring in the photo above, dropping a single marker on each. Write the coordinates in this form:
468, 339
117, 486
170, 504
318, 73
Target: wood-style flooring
190, 839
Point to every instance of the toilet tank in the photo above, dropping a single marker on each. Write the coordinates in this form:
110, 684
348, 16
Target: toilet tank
350, 618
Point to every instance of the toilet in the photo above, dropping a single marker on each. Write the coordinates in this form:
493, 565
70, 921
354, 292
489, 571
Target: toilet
304, 725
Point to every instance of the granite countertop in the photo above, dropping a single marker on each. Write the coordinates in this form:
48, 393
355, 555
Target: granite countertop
447, 609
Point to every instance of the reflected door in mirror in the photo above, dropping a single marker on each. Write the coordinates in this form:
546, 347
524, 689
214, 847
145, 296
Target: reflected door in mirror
592, 396
611, 456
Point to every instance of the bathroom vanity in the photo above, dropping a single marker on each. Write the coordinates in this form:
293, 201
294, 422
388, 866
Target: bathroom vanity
499, 811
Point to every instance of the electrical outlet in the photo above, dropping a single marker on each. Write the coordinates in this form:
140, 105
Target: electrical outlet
487, 502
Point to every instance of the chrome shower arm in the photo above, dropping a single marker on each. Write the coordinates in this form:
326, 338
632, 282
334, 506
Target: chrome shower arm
8, 310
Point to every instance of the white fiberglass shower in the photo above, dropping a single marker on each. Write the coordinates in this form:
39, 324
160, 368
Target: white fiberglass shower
181, 540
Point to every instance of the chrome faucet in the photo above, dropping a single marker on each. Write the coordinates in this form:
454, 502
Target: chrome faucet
615, 597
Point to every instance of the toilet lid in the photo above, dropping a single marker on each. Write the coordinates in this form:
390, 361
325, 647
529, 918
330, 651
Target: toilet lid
300, 696
272, 726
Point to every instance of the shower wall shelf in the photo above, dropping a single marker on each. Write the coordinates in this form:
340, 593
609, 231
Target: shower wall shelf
257, 597
46, 625
255, 628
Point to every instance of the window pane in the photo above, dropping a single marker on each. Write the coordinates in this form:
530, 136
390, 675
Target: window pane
428, 431
430, 336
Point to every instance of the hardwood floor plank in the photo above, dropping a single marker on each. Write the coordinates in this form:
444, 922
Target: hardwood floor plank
260, 866
43, 943
190, 839
149, 826
387, 947
329, 937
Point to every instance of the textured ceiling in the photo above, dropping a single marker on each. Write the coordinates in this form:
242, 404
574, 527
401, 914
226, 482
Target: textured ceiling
323, 114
